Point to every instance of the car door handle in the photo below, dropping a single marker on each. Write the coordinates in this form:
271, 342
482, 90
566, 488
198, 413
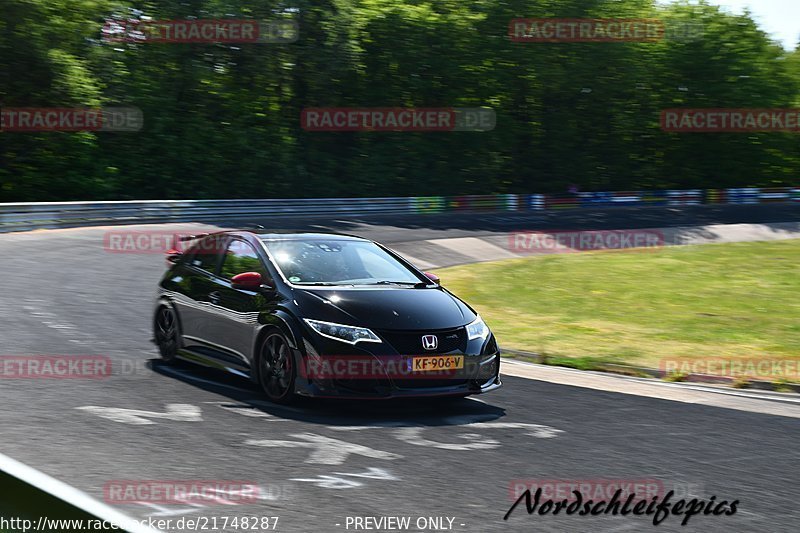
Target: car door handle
214, 297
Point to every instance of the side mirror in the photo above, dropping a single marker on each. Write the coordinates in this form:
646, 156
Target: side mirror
433, 277
248, 281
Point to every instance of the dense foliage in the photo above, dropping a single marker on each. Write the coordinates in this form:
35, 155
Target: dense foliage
223, 120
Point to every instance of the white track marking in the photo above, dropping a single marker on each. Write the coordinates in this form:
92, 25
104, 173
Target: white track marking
753, 395
532, 430
325, 481
40, 310
180, 412
161, 511
465, 421
325, 450
340, 481
412, 433
414, 436
474, 399
372, 473
247, 410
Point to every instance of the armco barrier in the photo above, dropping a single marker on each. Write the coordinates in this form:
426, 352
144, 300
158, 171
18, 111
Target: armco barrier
694, 197
535, 202
562, 201
774, 195
716, 196
743, 196
657, 198
29, 216
489, 202
429, 204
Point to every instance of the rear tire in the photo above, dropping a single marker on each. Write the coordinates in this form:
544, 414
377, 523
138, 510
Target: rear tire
276, 368
166, 334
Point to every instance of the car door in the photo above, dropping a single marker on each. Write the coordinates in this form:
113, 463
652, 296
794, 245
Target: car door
237, 322
196, 279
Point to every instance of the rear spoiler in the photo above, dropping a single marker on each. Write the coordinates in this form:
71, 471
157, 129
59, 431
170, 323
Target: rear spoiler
193, 237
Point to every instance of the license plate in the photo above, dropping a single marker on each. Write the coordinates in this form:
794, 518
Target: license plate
437, 362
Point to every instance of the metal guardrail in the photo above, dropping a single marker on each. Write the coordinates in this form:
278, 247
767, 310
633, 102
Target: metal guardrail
29, 216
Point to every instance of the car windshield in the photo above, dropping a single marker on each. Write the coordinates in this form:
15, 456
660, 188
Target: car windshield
339, 262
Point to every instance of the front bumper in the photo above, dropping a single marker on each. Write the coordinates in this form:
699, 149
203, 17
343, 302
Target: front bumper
480, 372
313, 391
482, 376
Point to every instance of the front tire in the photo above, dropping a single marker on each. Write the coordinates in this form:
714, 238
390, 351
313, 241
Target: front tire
276, 369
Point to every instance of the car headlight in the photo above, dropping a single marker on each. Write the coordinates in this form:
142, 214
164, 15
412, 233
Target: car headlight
477, 329
340, 332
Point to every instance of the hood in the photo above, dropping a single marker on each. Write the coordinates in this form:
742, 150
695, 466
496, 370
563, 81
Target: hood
385, 308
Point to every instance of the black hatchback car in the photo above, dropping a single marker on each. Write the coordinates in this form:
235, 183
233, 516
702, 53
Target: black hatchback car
322, 315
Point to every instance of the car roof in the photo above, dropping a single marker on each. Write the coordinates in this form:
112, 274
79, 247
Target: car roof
267, 237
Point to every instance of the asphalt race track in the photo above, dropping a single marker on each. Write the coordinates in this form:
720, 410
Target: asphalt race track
318, 463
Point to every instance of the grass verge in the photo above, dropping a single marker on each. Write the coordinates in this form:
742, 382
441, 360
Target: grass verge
736, 302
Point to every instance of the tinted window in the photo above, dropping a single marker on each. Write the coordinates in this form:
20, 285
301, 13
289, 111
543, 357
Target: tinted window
379, 265
205, 254
338, 261
239, 258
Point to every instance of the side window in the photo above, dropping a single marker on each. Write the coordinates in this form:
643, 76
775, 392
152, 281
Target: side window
239, 258
205, 254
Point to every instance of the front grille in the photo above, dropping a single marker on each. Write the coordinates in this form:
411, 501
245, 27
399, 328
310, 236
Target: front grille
410, 342
365, 386
428, 383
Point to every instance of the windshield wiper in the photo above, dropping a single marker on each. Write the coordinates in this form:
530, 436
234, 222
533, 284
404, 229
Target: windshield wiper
319, 283
415, 284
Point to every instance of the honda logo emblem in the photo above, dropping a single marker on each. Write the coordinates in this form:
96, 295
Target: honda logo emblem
430, 342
